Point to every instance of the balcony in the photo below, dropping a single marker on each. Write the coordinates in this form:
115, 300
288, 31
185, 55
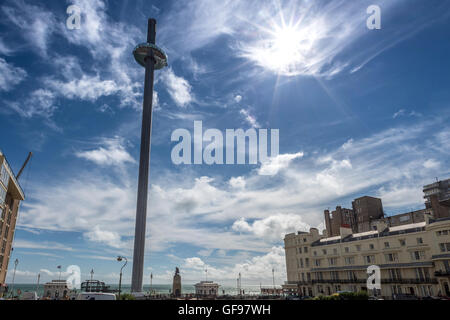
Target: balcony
441, 273
339, 281
410, 281
386, 281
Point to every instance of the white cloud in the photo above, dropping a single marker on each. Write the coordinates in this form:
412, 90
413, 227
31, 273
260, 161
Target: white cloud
35, 23
396, 196
254, 271
4, 49
41, 102
178, 87
25, 244
112, 152
237, 182
273, 227
403, 112
10, 75
325, 33
238, 98
109, 238
431, 164
275, 164
251, 120
86, 88
186, 204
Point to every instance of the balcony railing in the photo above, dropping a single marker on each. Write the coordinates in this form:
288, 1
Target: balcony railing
441, 273
389, 280
410, 281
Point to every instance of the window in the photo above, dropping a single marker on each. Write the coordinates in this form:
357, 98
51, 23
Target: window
306, 262
444, 247
332, 261
324, 251
391, 257
351, 275
300, 250
419, 240
371, 246
334, 275
402, 242
396, 289
347, 249
334, 251
301, 262
349, 260
305, 249
369, 259
358, 247
417, 255
317, 262
422, 274
304, 240
386, 244
4, 177
2, 194
447, 265
395, 274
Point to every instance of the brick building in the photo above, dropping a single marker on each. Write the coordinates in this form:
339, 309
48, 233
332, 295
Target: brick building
10, 196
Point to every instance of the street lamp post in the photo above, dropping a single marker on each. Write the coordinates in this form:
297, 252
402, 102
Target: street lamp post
37, 286
151, 58
120, 258
273, 279
16, 262
151, 281
90, 282
59, 267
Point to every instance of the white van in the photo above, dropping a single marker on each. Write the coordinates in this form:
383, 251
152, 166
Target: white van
96, 296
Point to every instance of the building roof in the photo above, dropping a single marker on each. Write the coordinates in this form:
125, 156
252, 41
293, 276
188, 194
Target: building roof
330, 239
363, 234
206, 284
407, 226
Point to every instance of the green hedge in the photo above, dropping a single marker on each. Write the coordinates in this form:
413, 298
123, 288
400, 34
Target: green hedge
126, 296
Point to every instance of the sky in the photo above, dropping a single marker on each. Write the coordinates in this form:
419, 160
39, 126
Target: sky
360, 111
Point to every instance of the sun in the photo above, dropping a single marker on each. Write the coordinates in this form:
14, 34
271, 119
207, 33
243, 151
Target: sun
285, 48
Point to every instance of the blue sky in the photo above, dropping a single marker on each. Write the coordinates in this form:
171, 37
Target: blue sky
359, 112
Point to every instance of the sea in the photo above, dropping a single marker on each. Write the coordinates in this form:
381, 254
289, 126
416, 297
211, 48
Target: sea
155, 288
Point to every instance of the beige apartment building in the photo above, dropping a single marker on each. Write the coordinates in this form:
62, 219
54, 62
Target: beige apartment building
10, 196
413, 255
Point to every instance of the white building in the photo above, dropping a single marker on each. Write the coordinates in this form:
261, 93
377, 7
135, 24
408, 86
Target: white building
56, 289
206, 288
